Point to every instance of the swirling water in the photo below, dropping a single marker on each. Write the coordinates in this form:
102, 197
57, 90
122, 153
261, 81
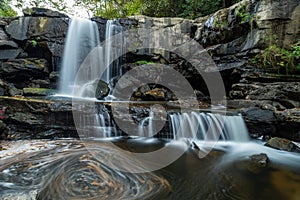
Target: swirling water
69, 171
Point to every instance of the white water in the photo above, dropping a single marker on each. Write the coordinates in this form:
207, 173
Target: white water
146, 130
208, 126
82, 37
112, 46
96, 126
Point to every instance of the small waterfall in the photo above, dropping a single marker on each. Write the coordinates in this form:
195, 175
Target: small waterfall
113, 68
146, 126
81, 38
208, 126
106, 125
96, 125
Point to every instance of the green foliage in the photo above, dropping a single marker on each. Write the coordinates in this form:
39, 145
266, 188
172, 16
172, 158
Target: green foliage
143, 62
34, 43
162, 8
280, 59
6, 10
51, 4
154, 8
221, 24
243, 14
198, 8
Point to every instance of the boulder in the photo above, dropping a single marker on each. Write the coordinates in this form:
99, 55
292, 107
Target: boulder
282, 144
254, 163
102, 89
259, 122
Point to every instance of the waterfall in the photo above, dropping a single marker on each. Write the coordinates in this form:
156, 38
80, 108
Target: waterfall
208, 126
81, 38
96, 125
114, 46
145, 128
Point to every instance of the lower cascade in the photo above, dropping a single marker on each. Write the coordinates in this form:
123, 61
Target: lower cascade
193, 125
209, 126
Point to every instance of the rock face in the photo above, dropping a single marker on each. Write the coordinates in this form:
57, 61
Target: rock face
24, 119
282, 144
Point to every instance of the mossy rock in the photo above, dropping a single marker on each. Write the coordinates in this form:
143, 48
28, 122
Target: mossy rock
38, 91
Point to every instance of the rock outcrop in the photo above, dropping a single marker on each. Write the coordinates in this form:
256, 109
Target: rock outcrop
31, 49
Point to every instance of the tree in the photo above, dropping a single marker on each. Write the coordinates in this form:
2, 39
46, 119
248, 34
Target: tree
6, 10
59, 5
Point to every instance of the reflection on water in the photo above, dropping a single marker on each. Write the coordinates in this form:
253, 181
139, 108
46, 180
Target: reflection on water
68, 171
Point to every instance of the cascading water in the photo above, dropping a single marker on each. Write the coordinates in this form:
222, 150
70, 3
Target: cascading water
196, 126
82, 37
113, 68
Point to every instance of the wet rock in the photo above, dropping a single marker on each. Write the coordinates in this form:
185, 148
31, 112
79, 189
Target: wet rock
289, 124
18, 28
282, 144
40, 83
4, 87
22, 71
48, 29
279, 91
54, 76
9, 53
3, 130
5, 42
8, 48
259, 122
13, 91
37, 92
254, 163
37, 118
25, 118
3, 22
102, 90
44, 12
155, 94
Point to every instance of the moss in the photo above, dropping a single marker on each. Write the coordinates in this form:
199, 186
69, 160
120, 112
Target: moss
36, 62
143, 62
38, 91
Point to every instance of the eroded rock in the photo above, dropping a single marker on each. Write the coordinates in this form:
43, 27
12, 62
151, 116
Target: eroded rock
254, 163
282, 144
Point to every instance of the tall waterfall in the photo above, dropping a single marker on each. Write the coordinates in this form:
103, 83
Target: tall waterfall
112, 46
81, 38
208, 126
